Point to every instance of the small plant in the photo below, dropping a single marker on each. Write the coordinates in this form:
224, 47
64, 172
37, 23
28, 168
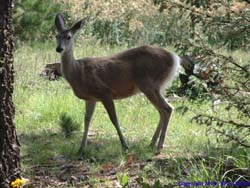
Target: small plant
144, 184
68, 125
124, 181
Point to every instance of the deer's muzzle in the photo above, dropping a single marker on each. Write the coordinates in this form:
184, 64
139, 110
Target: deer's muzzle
59, 49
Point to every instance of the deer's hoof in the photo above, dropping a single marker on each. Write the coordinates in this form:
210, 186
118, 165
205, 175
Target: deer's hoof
158, 152
125, 149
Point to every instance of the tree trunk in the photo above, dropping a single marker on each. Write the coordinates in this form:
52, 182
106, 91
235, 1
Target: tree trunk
9, 145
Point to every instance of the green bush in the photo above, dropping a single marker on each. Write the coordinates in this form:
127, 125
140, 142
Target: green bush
34, 19
112, 33
68, 125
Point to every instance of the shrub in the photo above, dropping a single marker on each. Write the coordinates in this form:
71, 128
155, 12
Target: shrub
34, 20
233, 92
68, 126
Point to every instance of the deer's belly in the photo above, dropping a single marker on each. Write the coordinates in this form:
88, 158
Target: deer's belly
84, 95
124, 92
117, 92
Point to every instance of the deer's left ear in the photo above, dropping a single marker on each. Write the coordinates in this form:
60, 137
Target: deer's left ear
78, 25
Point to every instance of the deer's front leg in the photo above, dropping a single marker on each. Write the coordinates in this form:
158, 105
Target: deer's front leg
89, 110
110, 107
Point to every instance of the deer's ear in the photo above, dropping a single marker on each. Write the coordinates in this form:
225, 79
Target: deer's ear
60, 22
78, 25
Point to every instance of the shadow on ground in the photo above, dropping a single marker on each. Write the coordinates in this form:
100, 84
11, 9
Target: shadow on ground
51, 160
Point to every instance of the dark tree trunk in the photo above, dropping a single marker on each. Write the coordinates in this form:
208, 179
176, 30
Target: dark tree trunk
9, 145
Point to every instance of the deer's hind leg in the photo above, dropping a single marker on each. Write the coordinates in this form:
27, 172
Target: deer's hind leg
157, 132
153, 93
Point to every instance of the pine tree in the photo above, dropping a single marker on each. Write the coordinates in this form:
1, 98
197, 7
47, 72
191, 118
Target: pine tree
9, 145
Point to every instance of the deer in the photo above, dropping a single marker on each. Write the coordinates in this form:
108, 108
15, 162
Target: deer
146, 69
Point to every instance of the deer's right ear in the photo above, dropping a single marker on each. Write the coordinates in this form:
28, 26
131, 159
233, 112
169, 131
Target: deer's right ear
59, 22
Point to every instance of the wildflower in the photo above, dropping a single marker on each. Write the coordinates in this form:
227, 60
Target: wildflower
18, 182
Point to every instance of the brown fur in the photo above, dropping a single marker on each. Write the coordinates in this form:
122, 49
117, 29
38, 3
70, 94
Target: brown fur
120, 75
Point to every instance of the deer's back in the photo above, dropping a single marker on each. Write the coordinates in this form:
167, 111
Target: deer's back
121, 74
148, 62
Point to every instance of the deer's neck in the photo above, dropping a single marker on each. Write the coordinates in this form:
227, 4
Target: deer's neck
68, 64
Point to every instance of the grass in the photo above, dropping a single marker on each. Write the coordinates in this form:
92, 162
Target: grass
190, 154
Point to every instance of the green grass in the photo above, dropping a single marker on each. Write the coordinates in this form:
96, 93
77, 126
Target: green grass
190, 154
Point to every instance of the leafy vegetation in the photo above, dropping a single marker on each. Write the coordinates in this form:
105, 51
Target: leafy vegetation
229, 78
68, 125
33, 20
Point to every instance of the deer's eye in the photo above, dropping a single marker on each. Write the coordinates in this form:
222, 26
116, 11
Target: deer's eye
68, 37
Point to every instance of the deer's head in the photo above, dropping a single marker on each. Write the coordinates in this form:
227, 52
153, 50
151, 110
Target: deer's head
65, 36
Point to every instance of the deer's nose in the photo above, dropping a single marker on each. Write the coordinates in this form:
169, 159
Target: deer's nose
59, 49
